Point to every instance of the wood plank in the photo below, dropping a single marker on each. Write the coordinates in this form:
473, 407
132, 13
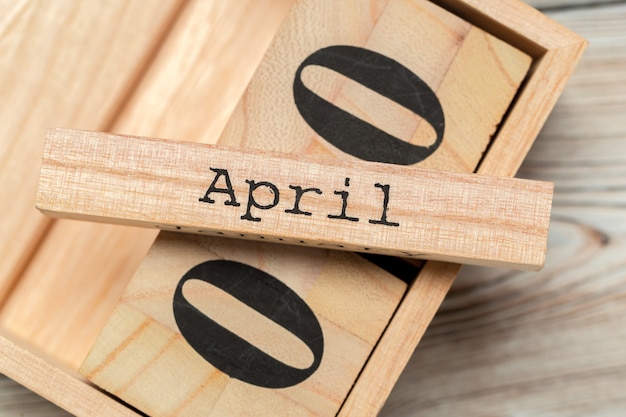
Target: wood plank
193, 84
549, 343
65, 63
554, 6
199, 188
256, 125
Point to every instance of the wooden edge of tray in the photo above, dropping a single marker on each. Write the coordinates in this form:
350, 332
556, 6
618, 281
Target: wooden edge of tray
556, 51
51, 380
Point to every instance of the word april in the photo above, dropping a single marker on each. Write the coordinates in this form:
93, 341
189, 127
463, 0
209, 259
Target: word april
354, 206
219, 186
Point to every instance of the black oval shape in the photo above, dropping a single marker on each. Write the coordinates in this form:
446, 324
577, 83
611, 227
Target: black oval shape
383, 75
230, 353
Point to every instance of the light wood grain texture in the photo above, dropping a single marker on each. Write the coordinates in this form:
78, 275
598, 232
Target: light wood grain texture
43, 375
549, 344
504, 66
363, 395
66, 63
369, 392
557, 50
474, 75
199, 62
361, 206
141, 354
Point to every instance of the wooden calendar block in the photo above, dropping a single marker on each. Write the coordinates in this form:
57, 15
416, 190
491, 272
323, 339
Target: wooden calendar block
214, 326
354, 206
405, 93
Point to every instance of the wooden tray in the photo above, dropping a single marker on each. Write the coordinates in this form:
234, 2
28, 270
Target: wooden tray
49, 326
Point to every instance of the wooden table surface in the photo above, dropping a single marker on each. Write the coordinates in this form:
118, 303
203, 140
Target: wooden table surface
551, 343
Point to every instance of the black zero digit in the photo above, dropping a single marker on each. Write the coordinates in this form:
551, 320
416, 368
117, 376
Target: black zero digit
384, 76
230, 353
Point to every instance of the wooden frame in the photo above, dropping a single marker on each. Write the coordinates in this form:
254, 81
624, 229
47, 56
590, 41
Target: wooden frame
495, 219
555, 51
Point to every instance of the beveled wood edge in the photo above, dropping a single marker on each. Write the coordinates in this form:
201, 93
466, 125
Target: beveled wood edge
556, 51
396, 346
515, 22
67, 390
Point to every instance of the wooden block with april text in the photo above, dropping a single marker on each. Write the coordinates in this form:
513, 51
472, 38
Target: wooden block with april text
354, 206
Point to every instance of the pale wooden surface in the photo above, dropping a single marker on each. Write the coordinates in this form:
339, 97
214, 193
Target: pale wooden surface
549, 345
66, 329
424, 214
115, 46
190, 87
43, 372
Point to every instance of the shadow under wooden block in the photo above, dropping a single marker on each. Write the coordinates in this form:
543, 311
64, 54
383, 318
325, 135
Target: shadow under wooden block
165, 362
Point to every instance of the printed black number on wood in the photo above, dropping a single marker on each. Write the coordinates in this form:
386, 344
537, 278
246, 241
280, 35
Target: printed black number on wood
384, 76
230, 353
227, 351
